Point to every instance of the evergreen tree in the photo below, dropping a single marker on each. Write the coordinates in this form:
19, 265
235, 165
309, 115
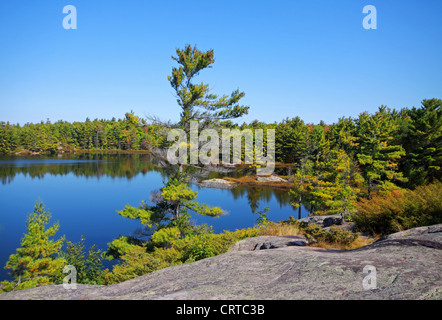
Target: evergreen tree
9, 138
172, 201
36, 263
423, 143
302, 184
194, 99
88, 265
378, 157
306, 176
290, 140
336, 188
342, 135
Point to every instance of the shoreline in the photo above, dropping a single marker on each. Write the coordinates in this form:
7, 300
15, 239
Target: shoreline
273, 181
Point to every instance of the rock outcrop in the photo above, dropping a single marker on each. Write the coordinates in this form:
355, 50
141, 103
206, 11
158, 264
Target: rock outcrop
323, 221
272, 178
218, 184
268, 242
405, 265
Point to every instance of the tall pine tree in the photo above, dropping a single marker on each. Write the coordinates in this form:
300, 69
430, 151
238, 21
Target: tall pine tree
194, 99
377, 155
422, 141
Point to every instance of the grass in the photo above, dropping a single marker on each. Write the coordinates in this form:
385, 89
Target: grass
335, 238
280, 229
358, 243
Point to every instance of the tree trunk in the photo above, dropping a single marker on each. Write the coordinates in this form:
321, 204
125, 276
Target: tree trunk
176, 214
299, 208
369, 189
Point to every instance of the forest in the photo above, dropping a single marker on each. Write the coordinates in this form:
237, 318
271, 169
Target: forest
385, 149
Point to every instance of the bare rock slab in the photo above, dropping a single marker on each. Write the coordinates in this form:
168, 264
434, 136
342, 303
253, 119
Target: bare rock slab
323, 221
272, 178
268, 242
218, 184
407, 267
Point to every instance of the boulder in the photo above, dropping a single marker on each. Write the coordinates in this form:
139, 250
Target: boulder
323, 221
268, 242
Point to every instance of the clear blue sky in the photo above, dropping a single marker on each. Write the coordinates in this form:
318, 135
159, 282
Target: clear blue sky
307, 58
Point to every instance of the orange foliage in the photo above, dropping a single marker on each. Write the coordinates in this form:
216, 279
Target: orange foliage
400, 210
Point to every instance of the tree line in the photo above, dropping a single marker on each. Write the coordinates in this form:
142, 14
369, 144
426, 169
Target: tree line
129, 133
400, 147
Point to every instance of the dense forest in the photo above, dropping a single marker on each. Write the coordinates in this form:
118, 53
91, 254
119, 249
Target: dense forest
130, 133
331, 165
401, 147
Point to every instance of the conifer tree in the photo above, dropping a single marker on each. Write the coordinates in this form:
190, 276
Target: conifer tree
342, 135
302, 184
36, 262
336, 188
194, 99
291, 136
307, 173
377, 155
172, 201
423, 143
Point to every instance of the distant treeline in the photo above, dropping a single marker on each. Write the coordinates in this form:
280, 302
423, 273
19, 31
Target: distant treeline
403, 147
130, 133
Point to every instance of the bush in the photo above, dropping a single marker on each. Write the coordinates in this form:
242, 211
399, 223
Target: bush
165, 237
135, 262
88, 266
194, 248
334, 236
168, 249
400, 210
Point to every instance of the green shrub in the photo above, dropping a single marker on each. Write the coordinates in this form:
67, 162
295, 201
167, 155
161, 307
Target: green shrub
88, 266
168, 249
194, 248
165, 237
335, 235
135, 261
263, 220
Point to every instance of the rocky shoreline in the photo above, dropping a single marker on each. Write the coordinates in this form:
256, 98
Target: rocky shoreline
271, 181
406, 266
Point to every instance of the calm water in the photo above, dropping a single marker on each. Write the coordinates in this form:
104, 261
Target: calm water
84, 192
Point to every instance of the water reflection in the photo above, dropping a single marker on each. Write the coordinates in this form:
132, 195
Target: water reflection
84, 191
94, 165
116, 165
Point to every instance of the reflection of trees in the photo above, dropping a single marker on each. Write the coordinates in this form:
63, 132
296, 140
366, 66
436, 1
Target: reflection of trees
253, 196
256, 194
88, 165
97, 165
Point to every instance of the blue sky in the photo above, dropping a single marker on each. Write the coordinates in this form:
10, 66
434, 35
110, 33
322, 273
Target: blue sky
307, 58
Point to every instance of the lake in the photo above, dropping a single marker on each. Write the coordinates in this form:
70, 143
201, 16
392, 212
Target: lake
84, 191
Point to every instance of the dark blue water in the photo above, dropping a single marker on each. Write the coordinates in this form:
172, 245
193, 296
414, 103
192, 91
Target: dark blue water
84, 192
